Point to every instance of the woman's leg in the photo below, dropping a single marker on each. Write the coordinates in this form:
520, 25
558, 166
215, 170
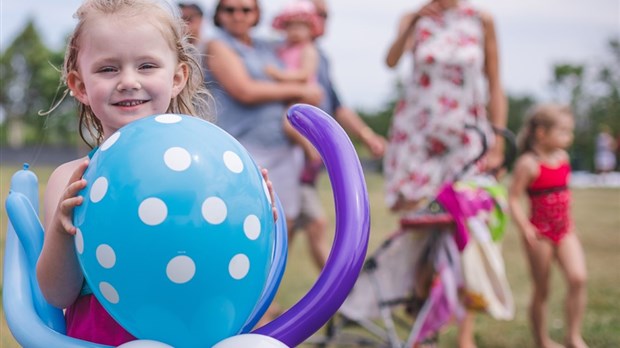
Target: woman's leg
572, 262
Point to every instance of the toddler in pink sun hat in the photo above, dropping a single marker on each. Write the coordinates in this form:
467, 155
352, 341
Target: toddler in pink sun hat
300, 23
302, 12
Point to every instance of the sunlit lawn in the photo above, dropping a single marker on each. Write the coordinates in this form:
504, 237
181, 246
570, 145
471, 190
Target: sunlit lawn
597, 216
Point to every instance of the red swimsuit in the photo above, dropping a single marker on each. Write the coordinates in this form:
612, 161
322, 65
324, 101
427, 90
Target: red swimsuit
550, 202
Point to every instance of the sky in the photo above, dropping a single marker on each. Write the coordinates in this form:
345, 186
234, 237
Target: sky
533, 35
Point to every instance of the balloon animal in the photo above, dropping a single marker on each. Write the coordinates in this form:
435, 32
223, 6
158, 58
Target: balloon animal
34, 323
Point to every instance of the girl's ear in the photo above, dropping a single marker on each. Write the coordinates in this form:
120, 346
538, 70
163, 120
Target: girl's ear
77, 87
179, 80
539, 133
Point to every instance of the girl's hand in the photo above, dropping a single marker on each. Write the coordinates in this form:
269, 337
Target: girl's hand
530, 234
271, 193
63, 217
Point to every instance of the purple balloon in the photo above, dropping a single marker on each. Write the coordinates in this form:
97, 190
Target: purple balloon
352, 229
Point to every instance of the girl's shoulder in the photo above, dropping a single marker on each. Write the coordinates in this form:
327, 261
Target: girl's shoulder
63, 172
527, 164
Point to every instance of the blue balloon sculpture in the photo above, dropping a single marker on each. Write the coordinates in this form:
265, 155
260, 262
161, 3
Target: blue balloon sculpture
155, 201
178, 205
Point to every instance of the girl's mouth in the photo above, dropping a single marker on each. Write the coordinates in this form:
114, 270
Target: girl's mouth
128, 103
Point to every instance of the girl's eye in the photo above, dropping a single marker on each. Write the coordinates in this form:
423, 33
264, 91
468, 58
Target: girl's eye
148, 66
106, 69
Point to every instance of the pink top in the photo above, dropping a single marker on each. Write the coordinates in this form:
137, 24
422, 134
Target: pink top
291, 56
86, 319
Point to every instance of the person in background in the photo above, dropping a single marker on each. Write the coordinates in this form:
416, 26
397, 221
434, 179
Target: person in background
542, 173
604, 156
313, 219
454, 85
249, 103
299, 22
193, 15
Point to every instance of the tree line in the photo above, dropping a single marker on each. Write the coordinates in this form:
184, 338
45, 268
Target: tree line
29, 71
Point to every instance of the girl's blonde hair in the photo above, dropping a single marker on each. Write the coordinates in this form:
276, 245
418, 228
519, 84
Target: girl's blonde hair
542, 115
194, 99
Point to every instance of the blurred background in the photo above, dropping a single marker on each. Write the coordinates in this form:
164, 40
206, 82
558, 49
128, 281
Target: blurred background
552, 50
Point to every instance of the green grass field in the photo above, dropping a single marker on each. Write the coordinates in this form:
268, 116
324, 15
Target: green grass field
597, 217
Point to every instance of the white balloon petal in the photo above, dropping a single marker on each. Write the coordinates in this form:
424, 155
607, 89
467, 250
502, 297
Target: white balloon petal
250, 340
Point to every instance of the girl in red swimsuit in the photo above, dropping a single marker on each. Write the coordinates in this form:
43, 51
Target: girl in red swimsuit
541, 172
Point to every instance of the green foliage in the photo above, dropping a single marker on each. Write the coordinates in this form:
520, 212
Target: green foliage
593, 92
29, 71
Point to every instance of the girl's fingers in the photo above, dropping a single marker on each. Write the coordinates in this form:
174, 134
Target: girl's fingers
75, 187
66, 213
79, 171
265, 173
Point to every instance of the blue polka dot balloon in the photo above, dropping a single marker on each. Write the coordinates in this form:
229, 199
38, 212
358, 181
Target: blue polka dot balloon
175, 234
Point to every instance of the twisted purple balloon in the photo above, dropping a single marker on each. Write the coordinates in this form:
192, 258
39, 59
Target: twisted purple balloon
352, 229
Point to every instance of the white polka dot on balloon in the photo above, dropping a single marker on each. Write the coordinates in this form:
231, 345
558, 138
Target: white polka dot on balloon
168, 118
181, 269
106, 256
99, 189
108, 292
214, 210
79, 241
177, 159
251, 227
233, 162
111, 140
153, 211
239, 266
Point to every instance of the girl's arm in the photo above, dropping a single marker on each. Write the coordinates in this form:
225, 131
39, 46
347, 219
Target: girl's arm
497, 108
229, 71
58, 271
524, 171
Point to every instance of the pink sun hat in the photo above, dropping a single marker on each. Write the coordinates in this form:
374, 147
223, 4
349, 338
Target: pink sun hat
303, 11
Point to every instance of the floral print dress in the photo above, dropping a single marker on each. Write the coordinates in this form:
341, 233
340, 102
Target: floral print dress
430, 142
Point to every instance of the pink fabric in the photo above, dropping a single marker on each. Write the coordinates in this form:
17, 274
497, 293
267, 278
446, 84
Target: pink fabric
550, 202
440, 308
291, 56
87, 320
299, 11
462, 204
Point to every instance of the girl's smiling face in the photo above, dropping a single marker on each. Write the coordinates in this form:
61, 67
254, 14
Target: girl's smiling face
126, 70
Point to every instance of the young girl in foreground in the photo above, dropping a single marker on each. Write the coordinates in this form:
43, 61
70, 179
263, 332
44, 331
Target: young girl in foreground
542, 172
126, 60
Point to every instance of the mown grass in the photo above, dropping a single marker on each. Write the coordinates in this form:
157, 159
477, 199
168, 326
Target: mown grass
597, 217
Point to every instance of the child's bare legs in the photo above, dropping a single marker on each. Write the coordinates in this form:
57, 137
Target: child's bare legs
540, 256
466, 331
572, 261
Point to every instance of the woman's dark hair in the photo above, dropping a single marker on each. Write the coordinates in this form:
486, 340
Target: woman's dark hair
217, 23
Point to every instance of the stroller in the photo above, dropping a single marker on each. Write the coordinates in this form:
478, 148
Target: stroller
412, 285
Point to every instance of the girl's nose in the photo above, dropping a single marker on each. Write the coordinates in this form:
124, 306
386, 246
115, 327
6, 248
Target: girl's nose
128, 81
